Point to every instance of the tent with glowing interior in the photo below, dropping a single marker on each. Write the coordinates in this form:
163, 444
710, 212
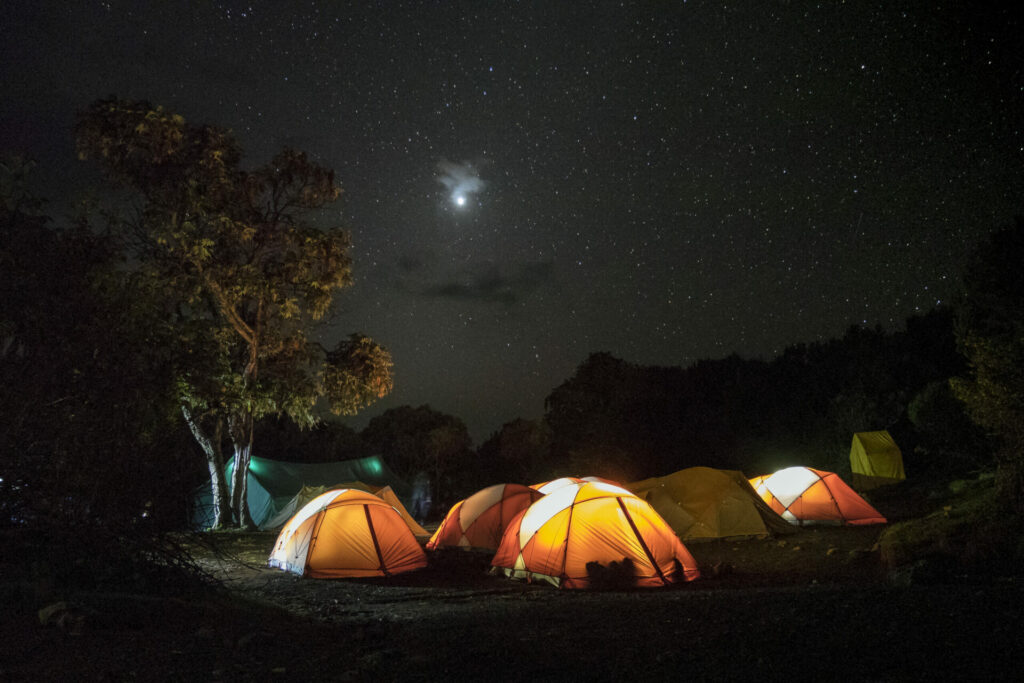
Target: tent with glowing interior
308, 493
802, 495
703, 503
346, 533
479, 521
272, 484
554, 484
568, 535
876, 460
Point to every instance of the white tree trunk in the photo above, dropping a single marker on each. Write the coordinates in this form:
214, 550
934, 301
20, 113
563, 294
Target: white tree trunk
241, 429
211, 447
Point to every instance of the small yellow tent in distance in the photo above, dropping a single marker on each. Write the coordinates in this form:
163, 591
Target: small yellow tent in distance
876, 460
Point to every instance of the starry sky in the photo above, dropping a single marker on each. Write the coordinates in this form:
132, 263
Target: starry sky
529, 182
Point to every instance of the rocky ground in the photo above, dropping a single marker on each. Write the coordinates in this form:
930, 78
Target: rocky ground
816, 605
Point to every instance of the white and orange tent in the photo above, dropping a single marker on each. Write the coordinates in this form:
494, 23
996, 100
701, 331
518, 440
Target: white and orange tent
478, 522
802, 495
555, 539
346, 533
308, 493
546, 487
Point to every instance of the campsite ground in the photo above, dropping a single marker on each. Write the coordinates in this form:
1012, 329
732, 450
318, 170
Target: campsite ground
815, 605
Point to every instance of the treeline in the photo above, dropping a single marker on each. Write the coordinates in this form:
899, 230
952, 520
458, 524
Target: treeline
625, 421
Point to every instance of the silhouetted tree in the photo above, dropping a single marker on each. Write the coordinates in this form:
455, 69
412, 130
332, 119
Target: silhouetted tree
327, 441
517, 453
90, 447
990, 333
245, 277
422, 441
948, 442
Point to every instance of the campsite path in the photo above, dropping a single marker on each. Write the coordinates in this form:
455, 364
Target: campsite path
816, 605
813, 606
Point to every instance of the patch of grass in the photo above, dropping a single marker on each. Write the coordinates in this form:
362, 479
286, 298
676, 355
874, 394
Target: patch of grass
969, 530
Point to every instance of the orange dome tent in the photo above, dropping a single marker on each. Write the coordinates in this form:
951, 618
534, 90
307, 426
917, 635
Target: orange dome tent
479, 521
803, 495
555, 539
346, 533
555, 484
308, 493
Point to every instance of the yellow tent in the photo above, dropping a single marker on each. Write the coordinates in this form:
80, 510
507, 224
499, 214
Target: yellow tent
702, 503
876, 460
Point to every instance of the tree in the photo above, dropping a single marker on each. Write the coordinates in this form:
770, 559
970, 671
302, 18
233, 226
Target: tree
329, 441
88, 435
519, 452
422, 441
246, 277
990, 334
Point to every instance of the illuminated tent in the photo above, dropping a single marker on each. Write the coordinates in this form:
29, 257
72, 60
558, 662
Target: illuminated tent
346, 533
479, 521
549, 486
555, 539
702, 503
308, 493
876, 460
272, 484
802, 495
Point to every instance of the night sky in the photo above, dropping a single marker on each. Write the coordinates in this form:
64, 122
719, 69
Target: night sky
529, 182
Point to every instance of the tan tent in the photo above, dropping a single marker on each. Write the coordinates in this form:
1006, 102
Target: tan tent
555, 539
876, 460
308, 493
346, 533
703, 503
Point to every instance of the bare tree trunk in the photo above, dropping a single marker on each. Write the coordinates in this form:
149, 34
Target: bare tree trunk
215, 463
241, 429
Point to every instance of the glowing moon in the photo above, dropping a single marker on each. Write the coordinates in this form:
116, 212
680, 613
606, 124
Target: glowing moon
460, 200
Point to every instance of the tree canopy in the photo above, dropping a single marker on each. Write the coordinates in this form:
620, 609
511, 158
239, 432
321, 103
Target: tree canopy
245, 271
990, 334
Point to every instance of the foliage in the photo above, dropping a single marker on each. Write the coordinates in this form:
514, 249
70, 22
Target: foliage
91, 469
418, 441
327, 441
949, 442
990, 333
970, 531
801, 408
518, 453
245, 274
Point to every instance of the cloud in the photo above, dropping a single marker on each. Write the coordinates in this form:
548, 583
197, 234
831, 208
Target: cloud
493, 284
461, 180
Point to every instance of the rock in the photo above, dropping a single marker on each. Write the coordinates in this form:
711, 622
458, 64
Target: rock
68, 618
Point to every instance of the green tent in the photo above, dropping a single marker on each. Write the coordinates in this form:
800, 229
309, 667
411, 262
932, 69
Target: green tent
876, 460
272, 484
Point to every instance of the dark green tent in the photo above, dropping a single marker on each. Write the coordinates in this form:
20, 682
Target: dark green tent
272, 484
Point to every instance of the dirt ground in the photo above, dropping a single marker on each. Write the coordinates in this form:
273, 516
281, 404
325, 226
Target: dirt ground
815, 605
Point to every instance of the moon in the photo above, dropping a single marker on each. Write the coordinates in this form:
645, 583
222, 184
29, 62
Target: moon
462, 180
